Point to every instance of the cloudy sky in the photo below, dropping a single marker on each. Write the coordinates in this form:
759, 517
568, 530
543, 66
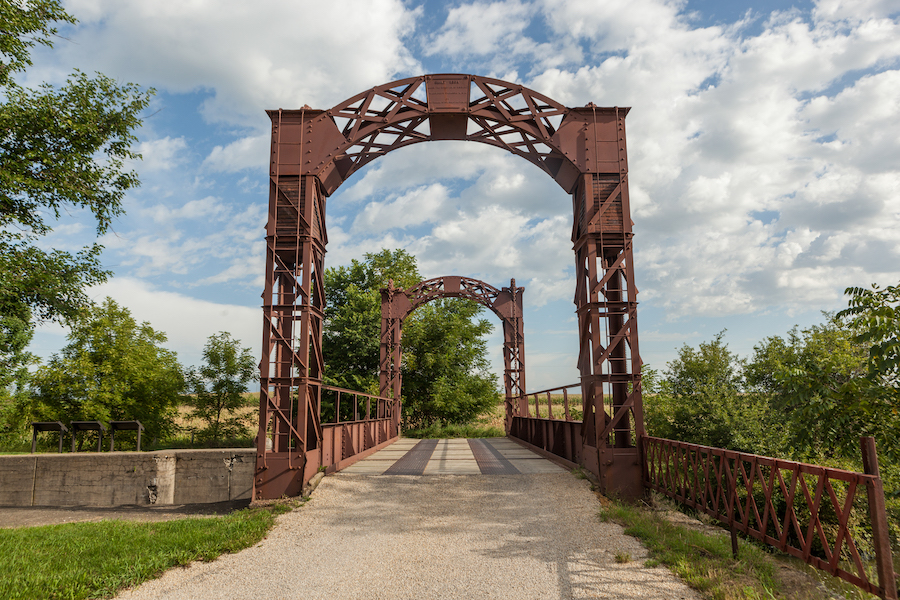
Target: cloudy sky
763, 150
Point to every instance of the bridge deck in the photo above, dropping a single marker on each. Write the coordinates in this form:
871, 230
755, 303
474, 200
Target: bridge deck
491, 456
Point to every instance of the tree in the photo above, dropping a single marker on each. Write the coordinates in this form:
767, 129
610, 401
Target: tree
445, 371
444, 368
217, 388
60, 149
876, 319
16, 332
111, 369
350, 341
701, 400
817, 383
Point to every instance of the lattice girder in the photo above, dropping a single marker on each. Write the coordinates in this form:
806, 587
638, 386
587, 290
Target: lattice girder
334, 144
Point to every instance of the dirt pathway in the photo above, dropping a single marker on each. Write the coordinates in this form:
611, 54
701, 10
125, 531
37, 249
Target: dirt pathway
445, 536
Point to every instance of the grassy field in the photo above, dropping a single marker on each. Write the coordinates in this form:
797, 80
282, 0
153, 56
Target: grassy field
95, 560
452, 430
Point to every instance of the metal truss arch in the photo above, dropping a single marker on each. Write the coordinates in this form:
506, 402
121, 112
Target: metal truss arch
343, 139
453, 287
397, 304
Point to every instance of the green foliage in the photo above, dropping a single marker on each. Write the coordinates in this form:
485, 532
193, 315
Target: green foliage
808, 396
95, 560
701, 400
24, 25
816, 381
350, 341
60, 149
876, 319
444, 369
67, 147
48, 285
110, 369
16, 332
217, 388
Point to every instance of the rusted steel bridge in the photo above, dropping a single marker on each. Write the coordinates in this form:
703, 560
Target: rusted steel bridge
314, 151
584, 150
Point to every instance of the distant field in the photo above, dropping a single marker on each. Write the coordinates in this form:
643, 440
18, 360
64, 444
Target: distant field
496, 416
558, 404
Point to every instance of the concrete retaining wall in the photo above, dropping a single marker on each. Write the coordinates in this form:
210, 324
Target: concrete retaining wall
127, 478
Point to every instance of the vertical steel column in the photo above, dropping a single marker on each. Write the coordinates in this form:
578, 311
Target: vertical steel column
606, 304
389, 376
514, 355
289, 433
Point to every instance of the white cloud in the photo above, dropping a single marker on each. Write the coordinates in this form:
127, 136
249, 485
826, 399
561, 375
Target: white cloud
416, 207
186, 321
855, 10
251, 56
160, 154
727, 129
483, 28
246, 152
204, 208
249, 268
200, 236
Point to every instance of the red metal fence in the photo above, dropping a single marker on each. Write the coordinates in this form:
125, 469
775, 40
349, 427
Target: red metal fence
360, 424
817, 514
545, 398
558, 433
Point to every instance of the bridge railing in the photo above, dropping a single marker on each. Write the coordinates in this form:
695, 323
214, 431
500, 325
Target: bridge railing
817, 514
820, 515
553, 431
546, 399
354, 425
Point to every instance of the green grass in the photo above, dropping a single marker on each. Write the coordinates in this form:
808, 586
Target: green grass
454, 431
703, 561
94, 560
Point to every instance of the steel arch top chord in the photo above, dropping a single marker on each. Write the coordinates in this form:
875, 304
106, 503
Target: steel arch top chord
334, 144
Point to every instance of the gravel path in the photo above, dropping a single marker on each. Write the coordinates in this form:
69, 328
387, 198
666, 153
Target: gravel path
427, 537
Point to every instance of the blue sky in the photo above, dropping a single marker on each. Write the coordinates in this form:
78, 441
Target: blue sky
763, 147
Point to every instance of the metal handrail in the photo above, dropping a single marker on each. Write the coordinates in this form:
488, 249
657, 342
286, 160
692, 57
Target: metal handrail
795, 507
549, 395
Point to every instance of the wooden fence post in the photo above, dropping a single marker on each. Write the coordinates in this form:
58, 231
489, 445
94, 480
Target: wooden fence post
877, 513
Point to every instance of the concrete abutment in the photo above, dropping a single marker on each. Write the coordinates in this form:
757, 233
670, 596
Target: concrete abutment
163, 477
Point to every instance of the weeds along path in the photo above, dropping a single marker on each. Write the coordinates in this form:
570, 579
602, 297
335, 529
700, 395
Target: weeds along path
444, 536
